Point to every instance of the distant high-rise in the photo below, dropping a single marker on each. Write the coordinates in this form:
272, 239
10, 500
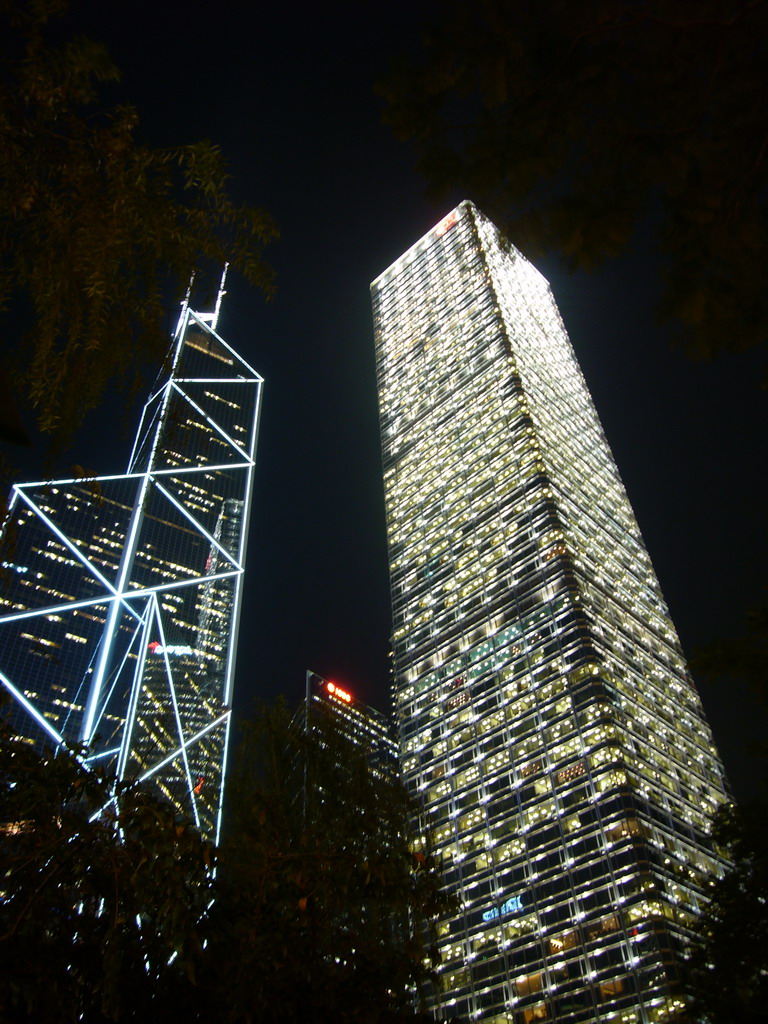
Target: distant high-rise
546, 716
364, 726
121, 598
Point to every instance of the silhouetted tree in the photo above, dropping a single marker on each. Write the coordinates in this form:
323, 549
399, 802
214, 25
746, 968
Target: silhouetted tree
97, 230
730, 971
572, 122
323, 890
101, 902
320, 910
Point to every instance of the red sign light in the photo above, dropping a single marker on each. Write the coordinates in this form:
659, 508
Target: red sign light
449, 221
338, 693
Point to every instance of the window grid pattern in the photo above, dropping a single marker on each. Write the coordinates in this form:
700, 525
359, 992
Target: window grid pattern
118, 620
546, 716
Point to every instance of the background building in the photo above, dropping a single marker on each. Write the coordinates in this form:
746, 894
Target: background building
546, 715
362, 725
122, 599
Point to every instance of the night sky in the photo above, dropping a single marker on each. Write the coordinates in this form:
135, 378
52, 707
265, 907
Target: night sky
288, 95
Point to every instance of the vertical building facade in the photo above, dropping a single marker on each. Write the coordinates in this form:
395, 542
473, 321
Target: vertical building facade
547, 719
364, 726
121, 597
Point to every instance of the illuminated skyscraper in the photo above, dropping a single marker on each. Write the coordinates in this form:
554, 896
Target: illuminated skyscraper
546, 715
362, 725
122, 593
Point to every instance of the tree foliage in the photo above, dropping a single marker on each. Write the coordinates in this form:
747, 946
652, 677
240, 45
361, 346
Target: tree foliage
320, 908
323, 891
741, 658
100, 912
97, 230
730, 971
572, 122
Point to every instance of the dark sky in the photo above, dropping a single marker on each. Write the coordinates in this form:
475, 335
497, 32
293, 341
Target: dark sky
288, 95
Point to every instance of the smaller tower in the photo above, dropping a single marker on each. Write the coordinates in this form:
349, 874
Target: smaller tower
362, 725
119, 620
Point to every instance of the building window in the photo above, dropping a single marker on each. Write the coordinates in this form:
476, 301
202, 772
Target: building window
538, 1012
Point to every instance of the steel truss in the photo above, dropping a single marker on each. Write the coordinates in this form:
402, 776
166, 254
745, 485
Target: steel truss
122, 593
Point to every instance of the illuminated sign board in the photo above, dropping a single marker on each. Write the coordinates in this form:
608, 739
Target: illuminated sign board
157, 648
443, 226
338, 693
513, 905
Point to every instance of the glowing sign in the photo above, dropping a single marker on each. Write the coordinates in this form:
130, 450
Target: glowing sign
157, 648
338, 693
449, 221
512, 905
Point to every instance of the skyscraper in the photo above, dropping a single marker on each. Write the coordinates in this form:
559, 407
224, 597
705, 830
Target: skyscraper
121, 601
361, 725
546, 715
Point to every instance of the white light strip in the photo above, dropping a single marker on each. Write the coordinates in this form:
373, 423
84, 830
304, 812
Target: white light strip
101, 755
185, 512
165, 471
179, 725
140, 593
212, 423
123, 582
138, 675
139, 630
40, 719
237, 357
144, 433
67, 543
193, 581
55, 609
242, 381
209, 467
188, 743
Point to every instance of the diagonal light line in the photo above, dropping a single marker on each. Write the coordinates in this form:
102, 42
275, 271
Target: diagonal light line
187, 743
177, 715
67, 543
32, 710
207, 327
201, 529
152, 612
216, 426
144, 433
139, 628
101, 755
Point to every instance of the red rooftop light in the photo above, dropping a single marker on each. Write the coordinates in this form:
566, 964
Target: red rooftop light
336, 691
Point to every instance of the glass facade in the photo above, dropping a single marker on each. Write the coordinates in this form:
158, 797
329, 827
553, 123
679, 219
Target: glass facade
546, 716
121, 596
362, 725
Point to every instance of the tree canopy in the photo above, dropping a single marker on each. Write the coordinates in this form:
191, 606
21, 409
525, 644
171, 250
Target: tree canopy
730, 970
101, 901
320, 908
326, 889
98, 231
575, 122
